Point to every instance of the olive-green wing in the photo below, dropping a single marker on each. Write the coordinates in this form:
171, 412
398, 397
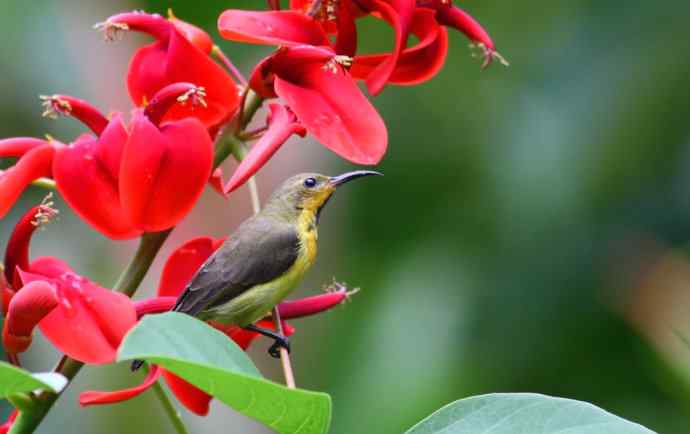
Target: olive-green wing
258, 252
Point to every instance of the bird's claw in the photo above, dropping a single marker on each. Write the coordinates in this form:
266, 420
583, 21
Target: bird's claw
280, 342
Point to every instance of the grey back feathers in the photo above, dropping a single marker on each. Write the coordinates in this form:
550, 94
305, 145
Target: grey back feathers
261, 249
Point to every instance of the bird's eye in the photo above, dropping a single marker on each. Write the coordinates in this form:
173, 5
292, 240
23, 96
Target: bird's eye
309, 182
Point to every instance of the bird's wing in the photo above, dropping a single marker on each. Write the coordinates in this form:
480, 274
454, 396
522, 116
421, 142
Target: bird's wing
259, 251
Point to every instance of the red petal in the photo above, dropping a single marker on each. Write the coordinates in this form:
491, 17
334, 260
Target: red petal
6, 294
455, 17
171, 95
45, 266
216, 181
282, 123
195, 399
346, 40
261, 80
17, 250
27, 308
154, 305
92, 397
185, 63
153, 24
177, 60
79, 109
332, 108
18, 146
163, 172
285, 28
183, 263
416, 64
31, 166
300, 5
88, 185
398, 13
110, 145
146, 73
199, 38
89, 322
311, 305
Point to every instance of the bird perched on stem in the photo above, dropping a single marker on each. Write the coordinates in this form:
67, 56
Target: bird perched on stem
264, 259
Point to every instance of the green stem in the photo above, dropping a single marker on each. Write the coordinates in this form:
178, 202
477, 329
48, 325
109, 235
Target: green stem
251, 105
44, 183
170, 409
226, 146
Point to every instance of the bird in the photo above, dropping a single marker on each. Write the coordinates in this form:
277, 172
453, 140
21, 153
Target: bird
263, 261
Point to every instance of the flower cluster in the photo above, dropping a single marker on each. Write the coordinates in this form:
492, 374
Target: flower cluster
142, 172
88, 322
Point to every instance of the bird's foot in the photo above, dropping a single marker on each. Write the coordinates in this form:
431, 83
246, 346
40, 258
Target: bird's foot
280, 341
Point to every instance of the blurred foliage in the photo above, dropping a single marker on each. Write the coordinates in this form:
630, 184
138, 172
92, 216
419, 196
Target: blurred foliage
490, 255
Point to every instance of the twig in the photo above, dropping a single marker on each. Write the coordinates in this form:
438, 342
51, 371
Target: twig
284, 355
225, 60
170, 409
256, 206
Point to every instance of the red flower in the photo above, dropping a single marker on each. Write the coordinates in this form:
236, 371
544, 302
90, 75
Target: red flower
312, 78
401, 15
317, 87
122, 180
178, 270
83, 320
180, 54
310, 21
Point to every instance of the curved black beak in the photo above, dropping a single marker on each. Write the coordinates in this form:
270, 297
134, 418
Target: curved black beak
349, 176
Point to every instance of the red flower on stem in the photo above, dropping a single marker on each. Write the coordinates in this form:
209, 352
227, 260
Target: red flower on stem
79, 317
180, 54
313, 79
122, 180
178, 271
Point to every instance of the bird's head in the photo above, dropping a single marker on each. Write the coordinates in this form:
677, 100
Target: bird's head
307, 193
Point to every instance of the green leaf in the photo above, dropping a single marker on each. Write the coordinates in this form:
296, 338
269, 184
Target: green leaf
214, 363
15, 380
523, 413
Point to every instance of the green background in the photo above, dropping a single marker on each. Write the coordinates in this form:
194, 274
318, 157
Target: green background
530, 234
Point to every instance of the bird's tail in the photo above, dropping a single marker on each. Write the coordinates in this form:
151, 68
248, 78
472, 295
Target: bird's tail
136, 365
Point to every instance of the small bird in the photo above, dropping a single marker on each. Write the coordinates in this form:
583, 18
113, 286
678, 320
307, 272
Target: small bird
264, 259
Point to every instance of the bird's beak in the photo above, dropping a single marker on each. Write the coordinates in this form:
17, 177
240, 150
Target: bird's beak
349, 176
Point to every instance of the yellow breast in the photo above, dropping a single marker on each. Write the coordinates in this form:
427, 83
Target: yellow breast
308, 235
